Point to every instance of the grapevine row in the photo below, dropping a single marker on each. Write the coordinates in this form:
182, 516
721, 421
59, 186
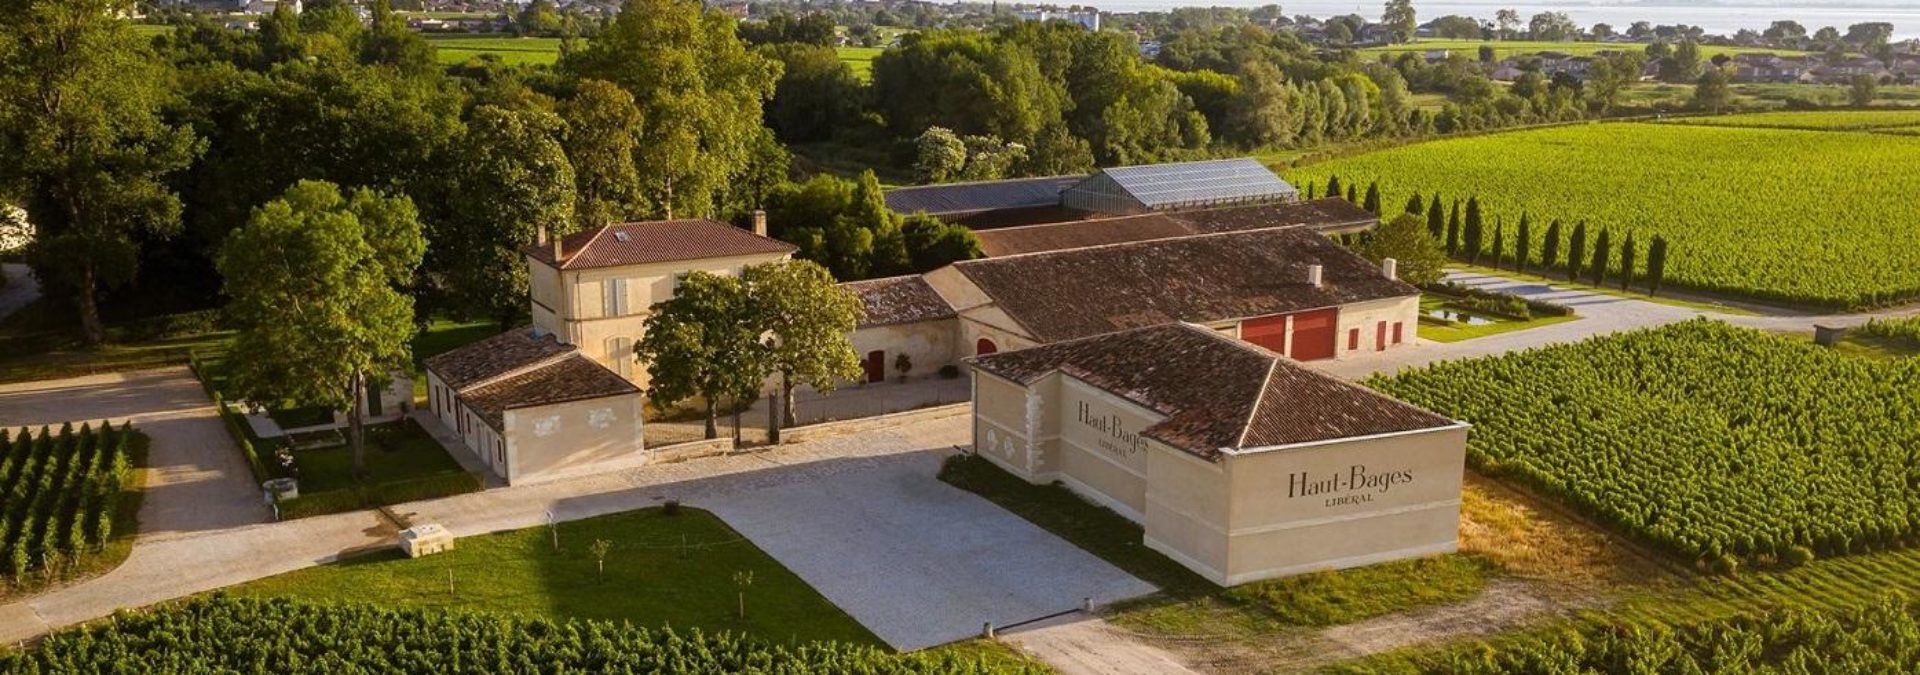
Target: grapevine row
61, 492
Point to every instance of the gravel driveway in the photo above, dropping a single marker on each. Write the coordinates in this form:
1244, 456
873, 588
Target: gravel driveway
917, 561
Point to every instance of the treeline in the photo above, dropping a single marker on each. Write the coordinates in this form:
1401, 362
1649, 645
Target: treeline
62, 492
1558, 250
226, 634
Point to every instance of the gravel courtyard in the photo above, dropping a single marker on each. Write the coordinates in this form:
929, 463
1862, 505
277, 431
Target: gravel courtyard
915, 560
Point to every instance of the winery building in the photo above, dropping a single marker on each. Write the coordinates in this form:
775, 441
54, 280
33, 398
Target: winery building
1239, 463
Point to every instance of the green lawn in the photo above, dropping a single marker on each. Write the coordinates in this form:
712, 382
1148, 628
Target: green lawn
458, 49
1462, 331
859, 60
395, 452
1189, 605
662, 570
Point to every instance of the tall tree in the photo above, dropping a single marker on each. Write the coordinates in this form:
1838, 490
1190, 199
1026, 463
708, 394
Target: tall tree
1522, 242
603, 129
700, 92
1627, 254
514, 182
1863, 90
86, 146
807, 319
1333, 186
389, 42
1416, 205
1400, 20
704, 342
1576, 250
1656, 264
1372, 200
1550, 248
1436, 218
1418, 256
1602, 252
314, 279
1473, 230
1714, 92
1453, 230
1499, 243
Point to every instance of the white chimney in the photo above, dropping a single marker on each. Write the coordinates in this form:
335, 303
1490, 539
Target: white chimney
1313, 275
559, 250
1390, 268
540, 235
760, 222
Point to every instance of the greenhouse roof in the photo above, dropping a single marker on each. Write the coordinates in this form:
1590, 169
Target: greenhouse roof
1222, 181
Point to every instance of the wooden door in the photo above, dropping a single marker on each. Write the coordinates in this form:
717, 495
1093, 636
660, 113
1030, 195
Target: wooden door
876, 365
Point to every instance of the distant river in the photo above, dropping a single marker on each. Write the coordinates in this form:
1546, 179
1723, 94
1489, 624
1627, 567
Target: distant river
1716, 16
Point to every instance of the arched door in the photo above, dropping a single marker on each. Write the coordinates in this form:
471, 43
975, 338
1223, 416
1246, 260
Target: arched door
984, 347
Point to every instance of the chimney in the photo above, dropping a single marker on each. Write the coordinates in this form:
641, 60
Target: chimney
1313, 275
760, 222
1390, 268
559, 250
540, 235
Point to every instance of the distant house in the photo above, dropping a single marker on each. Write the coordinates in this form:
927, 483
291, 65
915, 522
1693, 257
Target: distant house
1770, 68
1850, 67
1437, 55
264, 7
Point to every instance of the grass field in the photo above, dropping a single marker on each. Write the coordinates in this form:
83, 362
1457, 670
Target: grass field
457, 49
1803, 217
662, 569
859, 60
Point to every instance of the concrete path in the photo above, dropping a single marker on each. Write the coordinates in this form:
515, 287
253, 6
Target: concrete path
1600, 314
21, 289
919, 562
1078, 644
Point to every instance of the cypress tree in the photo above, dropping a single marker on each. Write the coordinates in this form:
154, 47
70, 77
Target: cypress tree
1522, 244
1576, 251
1626, 262
1550, 248
1499, 243
1353, 196
1453, 230
1474, 231
1415, 206
1602, 250
1436, 219
1333, 186
1372, 204
1310, 190
1656, 263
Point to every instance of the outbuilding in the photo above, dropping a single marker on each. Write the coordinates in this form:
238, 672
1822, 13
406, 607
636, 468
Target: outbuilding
1239, 463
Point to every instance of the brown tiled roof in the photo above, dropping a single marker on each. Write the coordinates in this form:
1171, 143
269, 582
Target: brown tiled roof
1323, 214
1214, 391
573, 378
897, 300
1081, 234
495, 356
1331, 214
657, 241
1075, 293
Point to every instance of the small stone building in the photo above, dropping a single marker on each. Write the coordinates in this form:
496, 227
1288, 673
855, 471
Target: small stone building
1239, 463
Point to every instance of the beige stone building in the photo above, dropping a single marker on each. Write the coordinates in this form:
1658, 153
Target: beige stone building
566, 392
1288, 288
1239, 463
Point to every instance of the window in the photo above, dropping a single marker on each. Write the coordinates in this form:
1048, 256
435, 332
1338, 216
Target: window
1353, 339
614, 292
620, 356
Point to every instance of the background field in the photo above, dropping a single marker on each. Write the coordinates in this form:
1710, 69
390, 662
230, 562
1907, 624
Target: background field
1725, 444
1810, 217
455, 49
1811, 120
1505, 48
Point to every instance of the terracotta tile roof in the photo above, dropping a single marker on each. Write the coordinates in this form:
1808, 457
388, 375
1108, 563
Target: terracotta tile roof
1063, 295
1215, 392
572, 378
657, 241
1081, 234
495, 356
1325, 215
897, 300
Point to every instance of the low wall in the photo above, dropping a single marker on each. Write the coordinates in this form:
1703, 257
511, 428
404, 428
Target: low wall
680, 452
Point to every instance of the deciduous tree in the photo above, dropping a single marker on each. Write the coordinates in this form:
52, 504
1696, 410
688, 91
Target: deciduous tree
806, 319
603, 129
704, 342
514, 181
1404, 239
313, 279
85, 144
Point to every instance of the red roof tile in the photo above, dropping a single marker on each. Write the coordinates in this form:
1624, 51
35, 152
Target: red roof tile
657, 241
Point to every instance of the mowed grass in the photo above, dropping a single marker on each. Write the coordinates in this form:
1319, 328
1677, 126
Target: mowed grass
1801, 217
662, 570
458, 49
859, 60
395, 452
